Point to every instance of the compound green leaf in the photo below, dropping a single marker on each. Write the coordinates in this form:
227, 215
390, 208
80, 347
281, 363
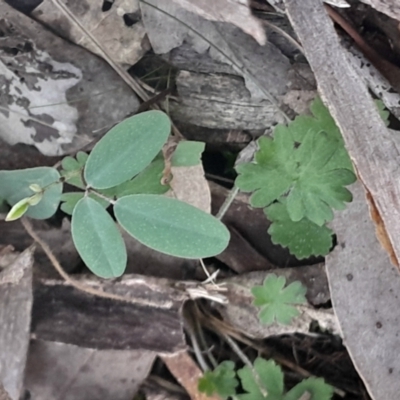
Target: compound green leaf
317, 188
70, 200
72, 169
269, 376
82, 157
127, 149
303, 238
171, 226
321, 121
273, 172
147, 182
15, 186
276, 300
221, 380
303, 174
187, 154
97, 239
315, 387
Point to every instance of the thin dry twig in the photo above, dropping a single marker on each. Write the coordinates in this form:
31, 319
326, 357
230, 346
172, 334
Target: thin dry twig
128, 79
222, 328
76, 284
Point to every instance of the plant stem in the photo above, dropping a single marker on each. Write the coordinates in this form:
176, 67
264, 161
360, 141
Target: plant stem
228, 201
247, 362
102, 196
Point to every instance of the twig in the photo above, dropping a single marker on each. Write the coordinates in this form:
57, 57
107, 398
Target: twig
222, 327
195, 344
237, 350
247, 362
76, 284
279, 30
128, 79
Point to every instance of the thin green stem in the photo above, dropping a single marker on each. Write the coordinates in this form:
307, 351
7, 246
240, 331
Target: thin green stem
228, 201
247, 362
101, 195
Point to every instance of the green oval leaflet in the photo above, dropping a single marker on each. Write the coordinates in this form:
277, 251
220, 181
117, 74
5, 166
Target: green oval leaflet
127, 149
97, 239
171, 226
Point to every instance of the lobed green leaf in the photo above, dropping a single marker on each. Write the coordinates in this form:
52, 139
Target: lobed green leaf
321, 121
269, 380
221, 381
276, 300
315, 387
301, 174
303, 238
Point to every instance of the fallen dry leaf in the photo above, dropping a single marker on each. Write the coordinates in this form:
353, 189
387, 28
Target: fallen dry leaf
187, 373
236, 12
188, 182
388, 7
189, 185
126, 45
364, 287
56, 96
59, 371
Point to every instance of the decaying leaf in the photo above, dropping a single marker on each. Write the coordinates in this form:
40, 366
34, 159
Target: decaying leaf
55, 96
388, 7
364, 287
61, 371
188, 181
236, 12
187, 373
264, 68
125, 44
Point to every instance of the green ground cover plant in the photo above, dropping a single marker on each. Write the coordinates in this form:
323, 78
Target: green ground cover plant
298, 176
123, 171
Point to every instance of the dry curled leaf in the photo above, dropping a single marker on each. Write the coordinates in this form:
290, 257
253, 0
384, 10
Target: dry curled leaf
187, 373
80, 22
188, 184
236, 12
